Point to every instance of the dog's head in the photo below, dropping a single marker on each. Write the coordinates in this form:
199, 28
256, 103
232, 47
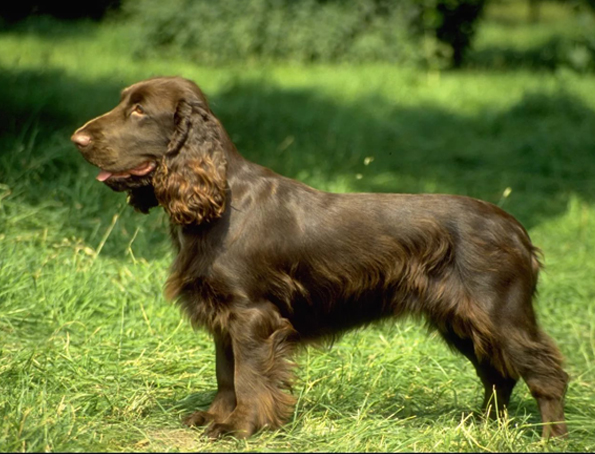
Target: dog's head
164, 146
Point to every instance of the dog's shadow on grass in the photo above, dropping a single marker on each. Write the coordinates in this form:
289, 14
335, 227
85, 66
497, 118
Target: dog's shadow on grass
191, 403
416, 406
523, 413
531, 158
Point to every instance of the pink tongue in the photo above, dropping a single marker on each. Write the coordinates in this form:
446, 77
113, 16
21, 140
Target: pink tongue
141, 170
103, 175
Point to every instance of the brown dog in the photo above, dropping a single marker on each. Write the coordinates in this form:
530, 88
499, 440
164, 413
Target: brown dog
265, 262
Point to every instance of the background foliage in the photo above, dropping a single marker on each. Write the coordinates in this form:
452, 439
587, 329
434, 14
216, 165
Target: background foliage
429, 33
309, 30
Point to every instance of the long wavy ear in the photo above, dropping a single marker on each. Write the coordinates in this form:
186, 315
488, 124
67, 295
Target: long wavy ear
190, 181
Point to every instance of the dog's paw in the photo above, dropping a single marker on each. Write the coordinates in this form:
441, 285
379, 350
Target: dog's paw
217, 430
198, 418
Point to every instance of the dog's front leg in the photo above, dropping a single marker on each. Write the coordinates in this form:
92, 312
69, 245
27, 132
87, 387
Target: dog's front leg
262, 342
225, 399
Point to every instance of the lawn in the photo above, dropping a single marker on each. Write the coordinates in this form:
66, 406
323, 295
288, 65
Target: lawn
92, 357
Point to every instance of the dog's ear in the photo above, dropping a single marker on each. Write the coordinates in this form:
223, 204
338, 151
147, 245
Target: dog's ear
190, 181
182, 124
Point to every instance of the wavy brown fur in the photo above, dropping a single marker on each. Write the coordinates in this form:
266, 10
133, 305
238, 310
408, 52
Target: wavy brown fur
190, 179
266, 263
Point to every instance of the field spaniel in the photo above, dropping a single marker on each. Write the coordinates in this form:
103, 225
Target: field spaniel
266, 263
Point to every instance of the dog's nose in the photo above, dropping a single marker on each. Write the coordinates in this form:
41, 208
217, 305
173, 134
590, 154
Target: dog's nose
81, 139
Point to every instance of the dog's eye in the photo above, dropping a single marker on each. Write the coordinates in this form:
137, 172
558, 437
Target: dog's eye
137, 110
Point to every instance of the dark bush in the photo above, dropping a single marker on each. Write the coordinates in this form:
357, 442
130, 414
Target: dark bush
457, 22
11, 11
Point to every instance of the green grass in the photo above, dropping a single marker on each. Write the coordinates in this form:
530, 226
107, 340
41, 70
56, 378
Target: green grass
92, 358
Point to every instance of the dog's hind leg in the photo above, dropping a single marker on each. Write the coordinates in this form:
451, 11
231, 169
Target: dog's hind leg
533, 355
539, 362
497, 386
503, 341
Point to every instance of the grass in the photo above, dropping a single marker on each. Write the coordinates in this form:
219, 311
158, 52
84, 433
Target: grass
93, 359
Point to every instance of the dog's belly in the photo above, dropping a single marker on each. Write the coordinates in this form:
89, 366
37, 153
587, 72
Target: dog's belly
326, 305
313, 320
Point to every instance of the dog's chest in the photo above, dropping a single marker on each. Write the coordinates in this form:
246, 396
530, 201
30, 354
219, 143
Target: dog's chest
201, 291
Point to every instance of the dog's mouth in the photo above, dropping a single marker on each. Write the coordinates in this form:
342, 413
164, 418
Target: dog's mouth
139, 171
